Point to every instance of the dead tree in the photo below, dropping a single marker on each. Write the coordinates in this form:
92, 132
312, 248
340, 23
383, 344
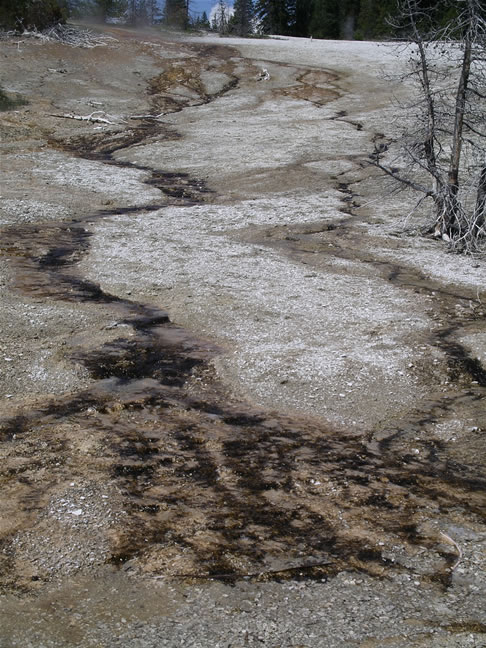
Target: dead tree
445, 148
221, 17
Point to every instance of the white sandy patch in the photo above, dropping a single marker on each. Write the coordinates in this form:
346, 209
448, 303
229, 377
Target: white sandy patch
295, 338
122, 184
29, 210
476, 343
432, 258
251, 145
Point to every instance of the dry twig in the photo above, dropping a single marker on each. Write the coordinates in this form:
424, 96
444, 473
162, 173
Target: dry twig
64, 34
94, 117
452, 542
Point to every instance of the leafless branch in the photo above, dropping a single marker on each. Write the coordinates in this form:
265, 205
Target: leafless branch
69, 36
399, 178
94, 117
446, 117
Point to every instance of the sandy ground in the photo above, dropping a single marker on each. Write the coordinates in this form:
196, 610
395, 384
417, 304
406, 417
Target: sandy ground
323, 361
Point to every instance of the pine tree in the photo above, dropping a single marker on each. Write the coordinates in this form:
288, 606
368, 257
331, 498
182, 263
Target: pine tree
30, 14
275, 16
373, 17
242, 20
303, 14
176, 13
324, 21
110, 8
204, 21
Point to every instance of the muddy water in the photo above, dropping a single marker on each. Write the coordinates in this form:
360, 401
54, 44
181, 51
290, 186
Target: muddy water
200, 485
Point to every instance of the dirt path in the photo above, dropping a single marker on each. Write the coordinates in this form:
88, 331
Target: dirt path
230, 386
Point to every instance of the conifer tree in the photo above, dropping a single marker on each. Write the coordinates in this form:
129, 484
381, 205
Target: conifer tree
110, 8
324, 22
274, 15
176, 13
242, 20
302, 19
30, 14
204, 20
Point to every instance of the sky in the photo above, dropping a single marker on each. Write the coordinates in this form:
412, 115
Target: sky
198, 6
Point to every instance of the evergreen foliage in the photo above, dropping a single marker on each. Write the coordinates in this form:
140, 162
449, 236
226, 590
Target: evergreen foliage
31, 14
241, 23
334, 19
360, 19
176, 14
275, 16
372, 19
104, 9
202, 22
303, 10
324, 20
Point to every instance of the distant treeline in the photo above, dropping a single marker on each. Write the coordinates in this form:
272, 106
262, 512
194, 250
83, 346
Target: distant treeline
29, 14
342, 19
334, 19
39, 14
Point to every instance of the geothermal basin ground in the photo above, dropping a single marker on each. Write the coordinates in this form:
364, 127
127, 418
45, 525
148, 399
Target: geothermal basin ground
242, 399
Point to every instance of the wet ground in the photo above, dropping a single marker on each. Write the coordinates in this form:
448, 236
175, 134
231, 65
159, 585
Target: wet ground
128, 450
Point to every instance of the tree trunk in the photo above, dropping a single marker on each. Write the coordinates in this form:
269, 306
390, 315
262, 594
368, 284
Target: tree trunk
480, 209
460, 109
429, 143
